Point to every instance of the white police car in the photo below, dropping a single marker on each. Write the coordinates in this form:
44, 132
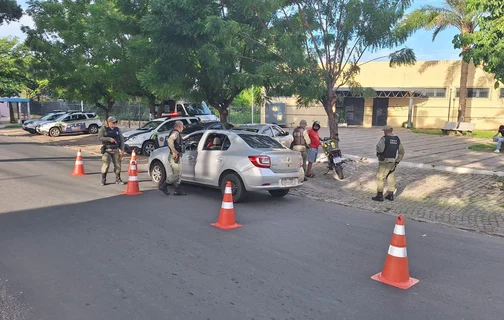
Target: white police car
152, 135
88, 122
31, 125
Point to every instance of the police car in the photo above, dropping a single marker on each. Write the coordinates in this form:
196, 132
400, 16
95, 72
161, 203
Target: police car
31, 125
152, 135
88, 122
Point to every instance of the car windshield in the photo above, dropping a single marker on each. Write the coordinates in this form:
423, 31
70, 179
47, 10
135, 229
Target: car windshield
60, 117
260, 141
150, 125
246, 129
50, 116
197, 109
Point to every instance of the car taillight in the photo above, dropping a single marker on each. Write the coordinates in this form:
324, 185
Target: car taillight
260, 161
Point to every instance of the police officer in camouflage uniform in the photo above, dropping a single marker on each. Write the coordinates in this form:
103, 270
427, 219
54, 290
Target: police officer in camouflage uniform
175, 144
112, 149
390, 152
301, 141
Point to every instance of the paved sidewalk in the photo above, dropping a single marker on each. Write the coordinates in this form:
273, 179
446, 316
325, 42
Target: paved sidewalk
431, 150
467, 201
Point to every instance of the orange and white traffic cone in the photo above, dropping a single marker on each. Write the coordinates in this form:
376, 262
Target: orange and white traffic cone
227, 214
133, 158
79, 165
133, 189
395, 270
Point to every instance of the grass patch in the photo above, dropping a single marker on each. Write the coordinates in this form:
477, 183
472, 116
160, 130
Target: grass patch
476, 134
12, 126
483, 147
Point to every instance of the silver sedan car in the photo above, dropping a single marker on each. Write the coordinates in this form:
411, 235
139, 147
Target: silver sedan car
270, 130
250, 161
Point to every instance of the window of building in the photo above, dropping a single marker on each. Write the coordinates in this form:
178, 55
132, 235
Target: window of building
502, 93
434, 92
476, 92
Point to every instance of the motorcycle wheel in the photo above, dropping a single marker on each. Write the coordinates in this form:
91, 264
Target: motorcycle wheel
338, 171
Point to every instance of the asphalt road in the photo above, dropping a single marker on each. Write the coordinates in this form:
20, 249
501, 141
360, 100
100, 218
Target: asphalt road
72, 249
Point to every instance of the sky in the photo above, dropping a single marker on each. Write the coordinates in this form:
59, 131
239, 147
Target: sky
421, 42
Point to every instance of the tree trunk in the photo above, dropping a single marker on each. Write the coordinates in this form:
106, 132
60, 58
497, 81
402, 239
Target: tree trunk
464, 72
152, 108
11, 113
223, 114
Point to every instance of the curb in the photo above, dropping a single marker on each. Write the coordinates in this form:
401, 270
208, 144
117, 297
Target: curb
459, 170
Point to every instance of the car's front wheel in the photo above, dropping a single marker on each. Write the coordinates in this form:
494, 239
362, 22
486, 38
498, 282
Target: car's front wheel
158, 173
148, 147
237, 187
279, 193
93, 129
54, 132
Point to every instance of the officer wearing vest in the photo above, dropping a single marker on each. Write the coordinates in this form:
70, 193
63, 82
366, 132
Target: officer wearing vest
390, 152
301, 141
112, 149
175, 144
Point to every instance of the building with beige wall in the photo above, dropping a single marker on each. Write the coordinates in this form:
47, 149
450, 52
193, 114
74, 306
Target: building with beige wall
432, 87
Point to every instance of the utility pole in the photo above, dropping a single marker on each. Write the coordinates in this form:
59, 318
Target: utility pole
252, 104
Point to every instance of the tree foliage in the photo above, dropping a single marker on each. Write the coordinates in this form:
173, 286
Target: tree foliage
487, 43
15, 60
319, 45
452, 14
9, 11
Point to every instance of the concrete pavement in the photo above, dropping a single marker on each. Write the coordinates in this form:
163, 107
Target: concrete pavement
71, 249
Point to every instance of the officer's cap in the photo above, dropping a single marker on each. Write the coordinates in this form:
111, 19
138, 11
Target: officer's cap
112, 119
387, 128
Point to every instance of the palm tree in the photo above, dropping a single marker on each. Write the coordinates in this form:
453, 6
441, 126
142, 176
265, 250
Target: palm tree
452, 14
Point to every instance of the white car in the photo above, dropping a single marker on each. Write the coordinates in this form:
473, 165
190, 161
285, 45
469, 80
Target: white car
71, 122
271, 130
31, 125
250, 161
184, 108
152, 135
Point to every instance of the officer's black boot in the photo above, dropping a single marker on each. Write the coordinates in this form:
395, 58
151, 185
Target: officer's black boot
178, 192
164, 188
103, 179
379, 197
118, 179
390, 196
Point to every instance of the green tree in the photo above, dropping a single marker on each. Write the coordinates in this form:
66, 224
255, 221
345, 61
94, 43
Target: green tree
204, 50
452, 14
15, 59
9, 11
487, 43
319, 46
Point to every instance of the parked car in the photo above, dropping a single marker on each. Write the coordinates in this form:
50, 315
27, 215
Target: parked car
87, 122
271, 130
214, 125
249, 160
152, 135
31, 125
183, 108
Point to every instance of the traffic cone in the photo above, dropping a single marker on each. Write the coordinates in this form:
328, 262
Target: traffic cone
395, 270
133, 158
227, 214
133, 189
79, 165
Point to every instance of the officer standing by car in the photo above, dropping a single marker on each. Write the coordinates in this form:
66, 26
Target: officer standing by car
301, 141
175, 159
112, 149
390, 152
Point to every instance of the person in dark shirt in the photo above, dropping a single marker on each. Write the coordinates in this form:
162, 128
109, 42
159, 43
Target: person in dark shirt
498, 139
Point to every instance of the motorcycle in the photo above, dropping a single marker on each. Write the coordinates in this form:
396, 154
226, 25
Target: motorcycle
335, 159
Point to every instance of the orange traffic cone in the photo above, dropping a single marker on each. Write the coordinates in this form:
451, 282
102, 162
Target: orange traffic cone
79, 165
133, 158
133, 189
395, 270
227, 214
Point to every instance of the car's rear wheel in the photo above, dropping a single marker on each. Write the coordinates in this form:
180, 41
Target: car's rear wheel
54, 132
158, 173
148, 147
279, 193
93, 129
237, 186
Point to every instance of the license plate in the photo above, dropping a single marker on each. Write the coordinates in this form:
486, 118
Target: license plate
337, 159
289, 182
